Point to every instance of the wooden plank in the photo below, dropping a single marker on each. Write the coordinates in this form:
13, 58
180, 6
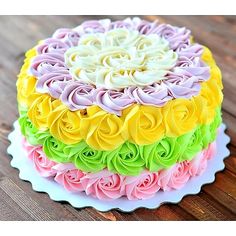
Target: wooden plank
201, 207
20, 198
231, 161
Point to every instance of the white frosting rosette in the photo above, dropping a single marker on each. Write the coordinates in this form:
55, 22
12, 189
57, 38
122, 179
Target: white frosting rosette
120, 58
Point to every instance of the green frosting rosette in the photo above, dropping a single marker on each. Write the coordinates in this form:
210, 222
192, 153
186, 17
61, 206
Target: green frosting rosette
54, 150
209, 132
125, 160
190, 143
215, 124
161, 155
85, 158
32, 134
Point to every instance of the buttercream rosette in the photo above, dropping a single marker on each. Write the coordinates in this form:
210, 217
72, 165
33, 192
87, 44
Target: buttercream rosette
123, 108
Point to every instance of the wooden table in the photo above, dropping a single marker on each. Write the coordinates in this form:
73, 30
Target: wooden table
18, 201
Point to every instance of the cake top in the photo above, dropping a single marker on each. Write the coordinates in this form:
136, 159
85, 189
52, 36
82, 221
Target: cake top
120, 58
116, 64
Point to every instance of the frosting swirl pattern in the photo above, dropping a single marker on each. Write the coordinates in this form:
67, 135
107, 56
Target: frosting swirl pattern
106, 185
128, 158
120, 58
51, 75
120, 108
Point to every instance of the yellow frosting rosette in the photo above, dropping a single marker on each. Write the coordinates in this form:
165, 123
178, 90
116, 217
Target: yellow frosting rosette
26, 84
143, 123
65, 125
180, 116
102, 130
26, 91
40, 110
215, 73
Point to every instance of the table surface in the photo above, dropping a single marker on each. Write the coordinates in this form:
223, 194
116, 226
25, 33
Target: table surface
216, 201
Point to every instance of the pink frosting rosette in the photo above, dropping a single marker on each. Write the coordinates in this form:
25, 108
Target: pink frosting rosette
156, 94
210, 152
104, 185
42, 164
175, 177
69, 177
77, 95
141, 187
198, 165
68, 36
112, 101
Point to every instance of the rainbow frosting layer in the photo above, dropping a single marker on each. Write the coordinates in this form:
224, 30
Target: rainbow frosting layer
117, 104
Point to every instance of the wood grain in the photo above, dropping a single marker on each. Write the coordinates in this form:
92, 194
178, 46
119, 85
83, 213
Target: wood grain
216, 201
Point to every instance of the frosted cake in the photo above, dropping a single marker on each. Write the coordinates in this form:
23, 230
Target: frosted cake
120, 109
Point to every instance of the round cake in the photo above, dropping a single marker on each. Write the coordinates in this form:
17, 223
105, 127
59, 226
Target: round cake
120, 109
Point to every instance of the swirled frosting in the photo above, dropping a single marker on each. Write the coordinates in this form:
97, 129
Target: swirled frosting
41, 163
125, 160
85, 158
140, 124
120, 58
68, 36
77, 95
128, 158
69, 177
50, 74
106, 185
122, 108
162, 154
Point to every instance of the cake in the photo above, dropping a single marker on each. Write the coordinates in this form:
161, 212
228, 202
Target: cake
120, 109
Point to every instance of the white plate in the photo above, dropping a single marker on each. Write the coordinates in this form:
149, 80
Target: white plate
79, 200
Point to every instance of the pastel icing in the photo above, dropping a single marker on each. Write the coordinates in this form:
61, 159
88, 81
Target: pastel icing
175, 177
123, 108
69, 177
202, 107
41, 163
112, 101
170, 121
68, 36
120, 58
52, 74
142, 187
77, 95
127, 159
106, 185
85, 157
